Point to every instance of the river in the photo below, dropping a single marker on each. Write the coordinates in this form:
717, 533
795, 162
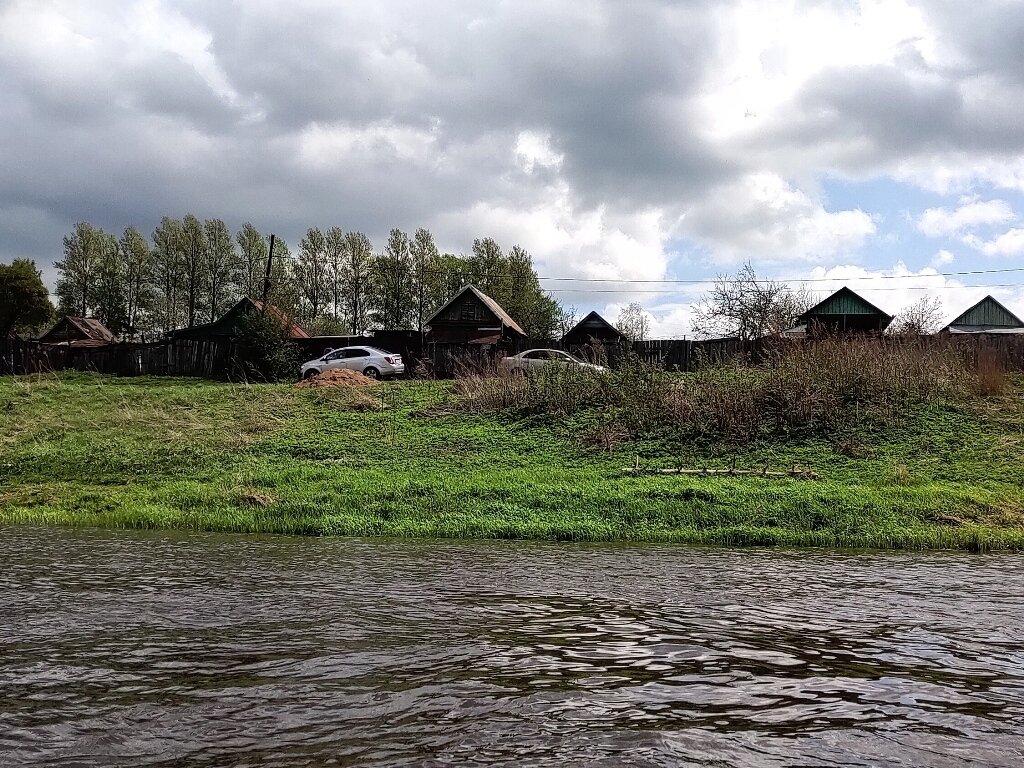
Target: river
172, 649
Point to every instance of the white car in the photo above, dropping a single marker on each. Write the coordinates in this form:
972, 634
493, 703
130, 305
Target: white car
369, 361
535, 359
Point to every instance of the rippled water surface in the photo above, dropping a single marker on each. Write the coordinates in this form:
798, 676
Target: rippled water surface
203, 650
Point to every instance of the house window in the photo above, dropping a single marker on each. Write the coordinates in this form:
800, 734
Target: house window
470, 311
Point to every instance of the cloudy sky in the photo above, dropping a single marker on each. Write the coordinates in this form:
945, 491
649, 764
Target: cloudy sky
826, 141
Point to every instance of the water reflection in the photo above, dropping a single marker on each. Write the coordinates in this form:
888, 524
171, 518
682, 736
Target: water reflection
164, 649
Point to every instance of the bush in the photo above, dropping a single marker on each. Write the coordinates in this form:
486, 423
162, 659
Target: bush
824, 386
265, 350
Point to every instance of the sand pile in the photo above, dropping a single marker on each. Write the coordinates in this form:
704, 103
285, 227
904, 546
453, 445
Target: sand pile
336, 377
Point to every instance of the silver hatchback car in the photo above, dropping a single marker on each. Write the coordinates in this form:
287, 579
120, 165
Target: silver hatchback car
369, 361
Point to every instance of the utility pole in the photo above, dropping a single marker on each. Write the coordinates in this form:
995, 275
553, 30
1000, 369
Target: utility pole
266, 280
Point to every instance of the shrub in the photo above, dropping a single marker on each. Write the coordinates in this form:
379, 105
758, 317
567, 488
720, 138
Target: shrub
827, 386
265, 351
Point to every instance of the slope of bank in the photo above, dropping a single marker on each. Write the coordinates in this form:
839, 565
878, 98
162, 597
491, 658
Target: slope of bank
399, 459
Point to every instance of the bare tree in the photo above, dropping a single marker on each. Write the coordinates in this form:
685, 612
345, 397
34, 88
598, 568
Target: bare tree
922, 317
746, 307
633, 322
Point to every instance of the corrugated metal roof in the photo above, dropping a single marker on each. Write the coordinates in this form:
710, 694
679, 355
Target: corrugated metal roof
988, 313
844, 302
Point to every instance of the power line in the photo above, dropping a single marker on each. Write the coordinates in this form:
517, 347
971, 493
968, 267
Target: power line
789, 280
901, 288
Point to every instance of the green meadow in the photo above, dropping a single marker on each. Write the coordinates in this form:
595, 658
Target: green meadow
406, 459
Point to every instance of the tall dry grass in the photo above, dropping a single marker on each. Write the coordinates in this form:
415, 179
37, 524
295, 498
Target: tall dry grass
823, 386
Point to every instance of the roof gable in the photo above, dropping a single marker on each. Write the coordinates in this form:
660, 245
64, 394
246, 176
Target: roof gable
244, 306
844, 302
70, 328
592, 322
988, 313
487, 301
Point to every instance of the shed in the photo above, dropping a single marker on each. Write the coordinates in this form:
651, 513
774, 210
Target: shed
987, 316
78, 332
473, 317
842, 312
227, 325
592, 327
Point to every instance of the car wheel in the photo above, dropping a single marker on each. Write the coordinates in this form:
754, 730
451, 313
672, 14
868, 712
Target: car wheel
372, 372
310, 373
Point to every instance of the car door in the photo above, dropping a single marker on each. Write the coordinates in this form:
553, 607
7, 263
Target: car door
356, 358
335, 359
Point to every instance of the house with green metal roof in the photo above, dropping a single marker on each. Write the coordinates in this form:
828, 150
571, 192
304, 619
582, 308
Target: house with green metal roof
987, 316
842, 312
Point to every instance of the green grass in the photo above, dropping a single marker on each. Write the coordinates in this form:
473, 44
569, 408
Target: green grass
87, 450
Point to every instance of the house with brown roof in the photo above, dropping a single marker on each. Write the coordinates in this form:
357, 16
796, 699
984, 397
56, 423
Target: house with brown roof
473, 317
229, 324
78, 332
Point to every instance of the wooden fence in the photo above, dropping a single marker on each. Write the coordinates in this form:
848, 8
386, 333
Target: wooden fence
181, 357
220, 358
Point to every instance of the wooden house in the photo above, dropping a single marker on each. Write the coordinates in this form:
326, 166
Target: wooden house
842, 312
78, 332
473, 317
592, 328
987, 316
229, 324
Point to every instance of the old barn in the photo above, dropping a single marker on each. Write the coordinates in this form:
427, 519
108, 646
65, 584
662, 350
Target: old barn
78, 332
842, 312
230, 325
987, 316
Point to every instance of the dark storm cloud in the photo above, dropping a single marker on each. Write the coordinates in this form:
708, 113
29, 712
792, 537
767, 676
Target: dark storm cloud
370, 116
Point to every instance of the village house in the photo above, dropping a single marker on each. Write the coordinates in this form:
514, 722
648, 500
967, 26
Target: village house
592, 328
841, 313
471, 317
987, 316
78, 332
229, 324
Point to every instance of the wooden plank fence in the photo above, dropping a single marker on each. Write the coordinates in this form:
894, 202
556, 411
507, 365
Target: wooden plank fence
220, 358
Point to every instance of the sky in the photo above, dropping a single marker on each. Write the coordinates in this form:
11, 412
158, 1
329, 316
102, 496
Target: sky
874, 144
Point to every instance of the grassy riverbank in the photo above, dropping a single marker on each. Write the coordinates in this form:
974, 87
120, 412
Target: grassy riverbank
80, 449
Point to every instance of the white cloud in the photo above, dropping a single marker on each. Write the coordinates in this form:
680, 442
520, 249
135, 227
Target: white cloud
935, 222
762, 216
534, 150
1010, 243
943, 258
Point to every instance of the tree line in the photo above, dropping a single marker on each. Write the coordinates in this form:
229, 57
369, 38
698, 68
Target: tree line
190, 271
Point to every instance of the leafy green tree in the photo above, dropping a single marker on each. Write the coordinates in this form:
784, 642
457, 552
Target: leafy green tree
194, 260
393, 290
223, 267
284, 292
426, 276
489, 269
311, 277
253, 248
24, 300
137, 261
168, 277
355, 279
110, 299
336, 246
79, 269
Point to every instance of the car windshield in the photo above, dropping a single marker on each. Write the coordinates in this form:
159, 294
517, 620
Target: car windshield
380, 351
